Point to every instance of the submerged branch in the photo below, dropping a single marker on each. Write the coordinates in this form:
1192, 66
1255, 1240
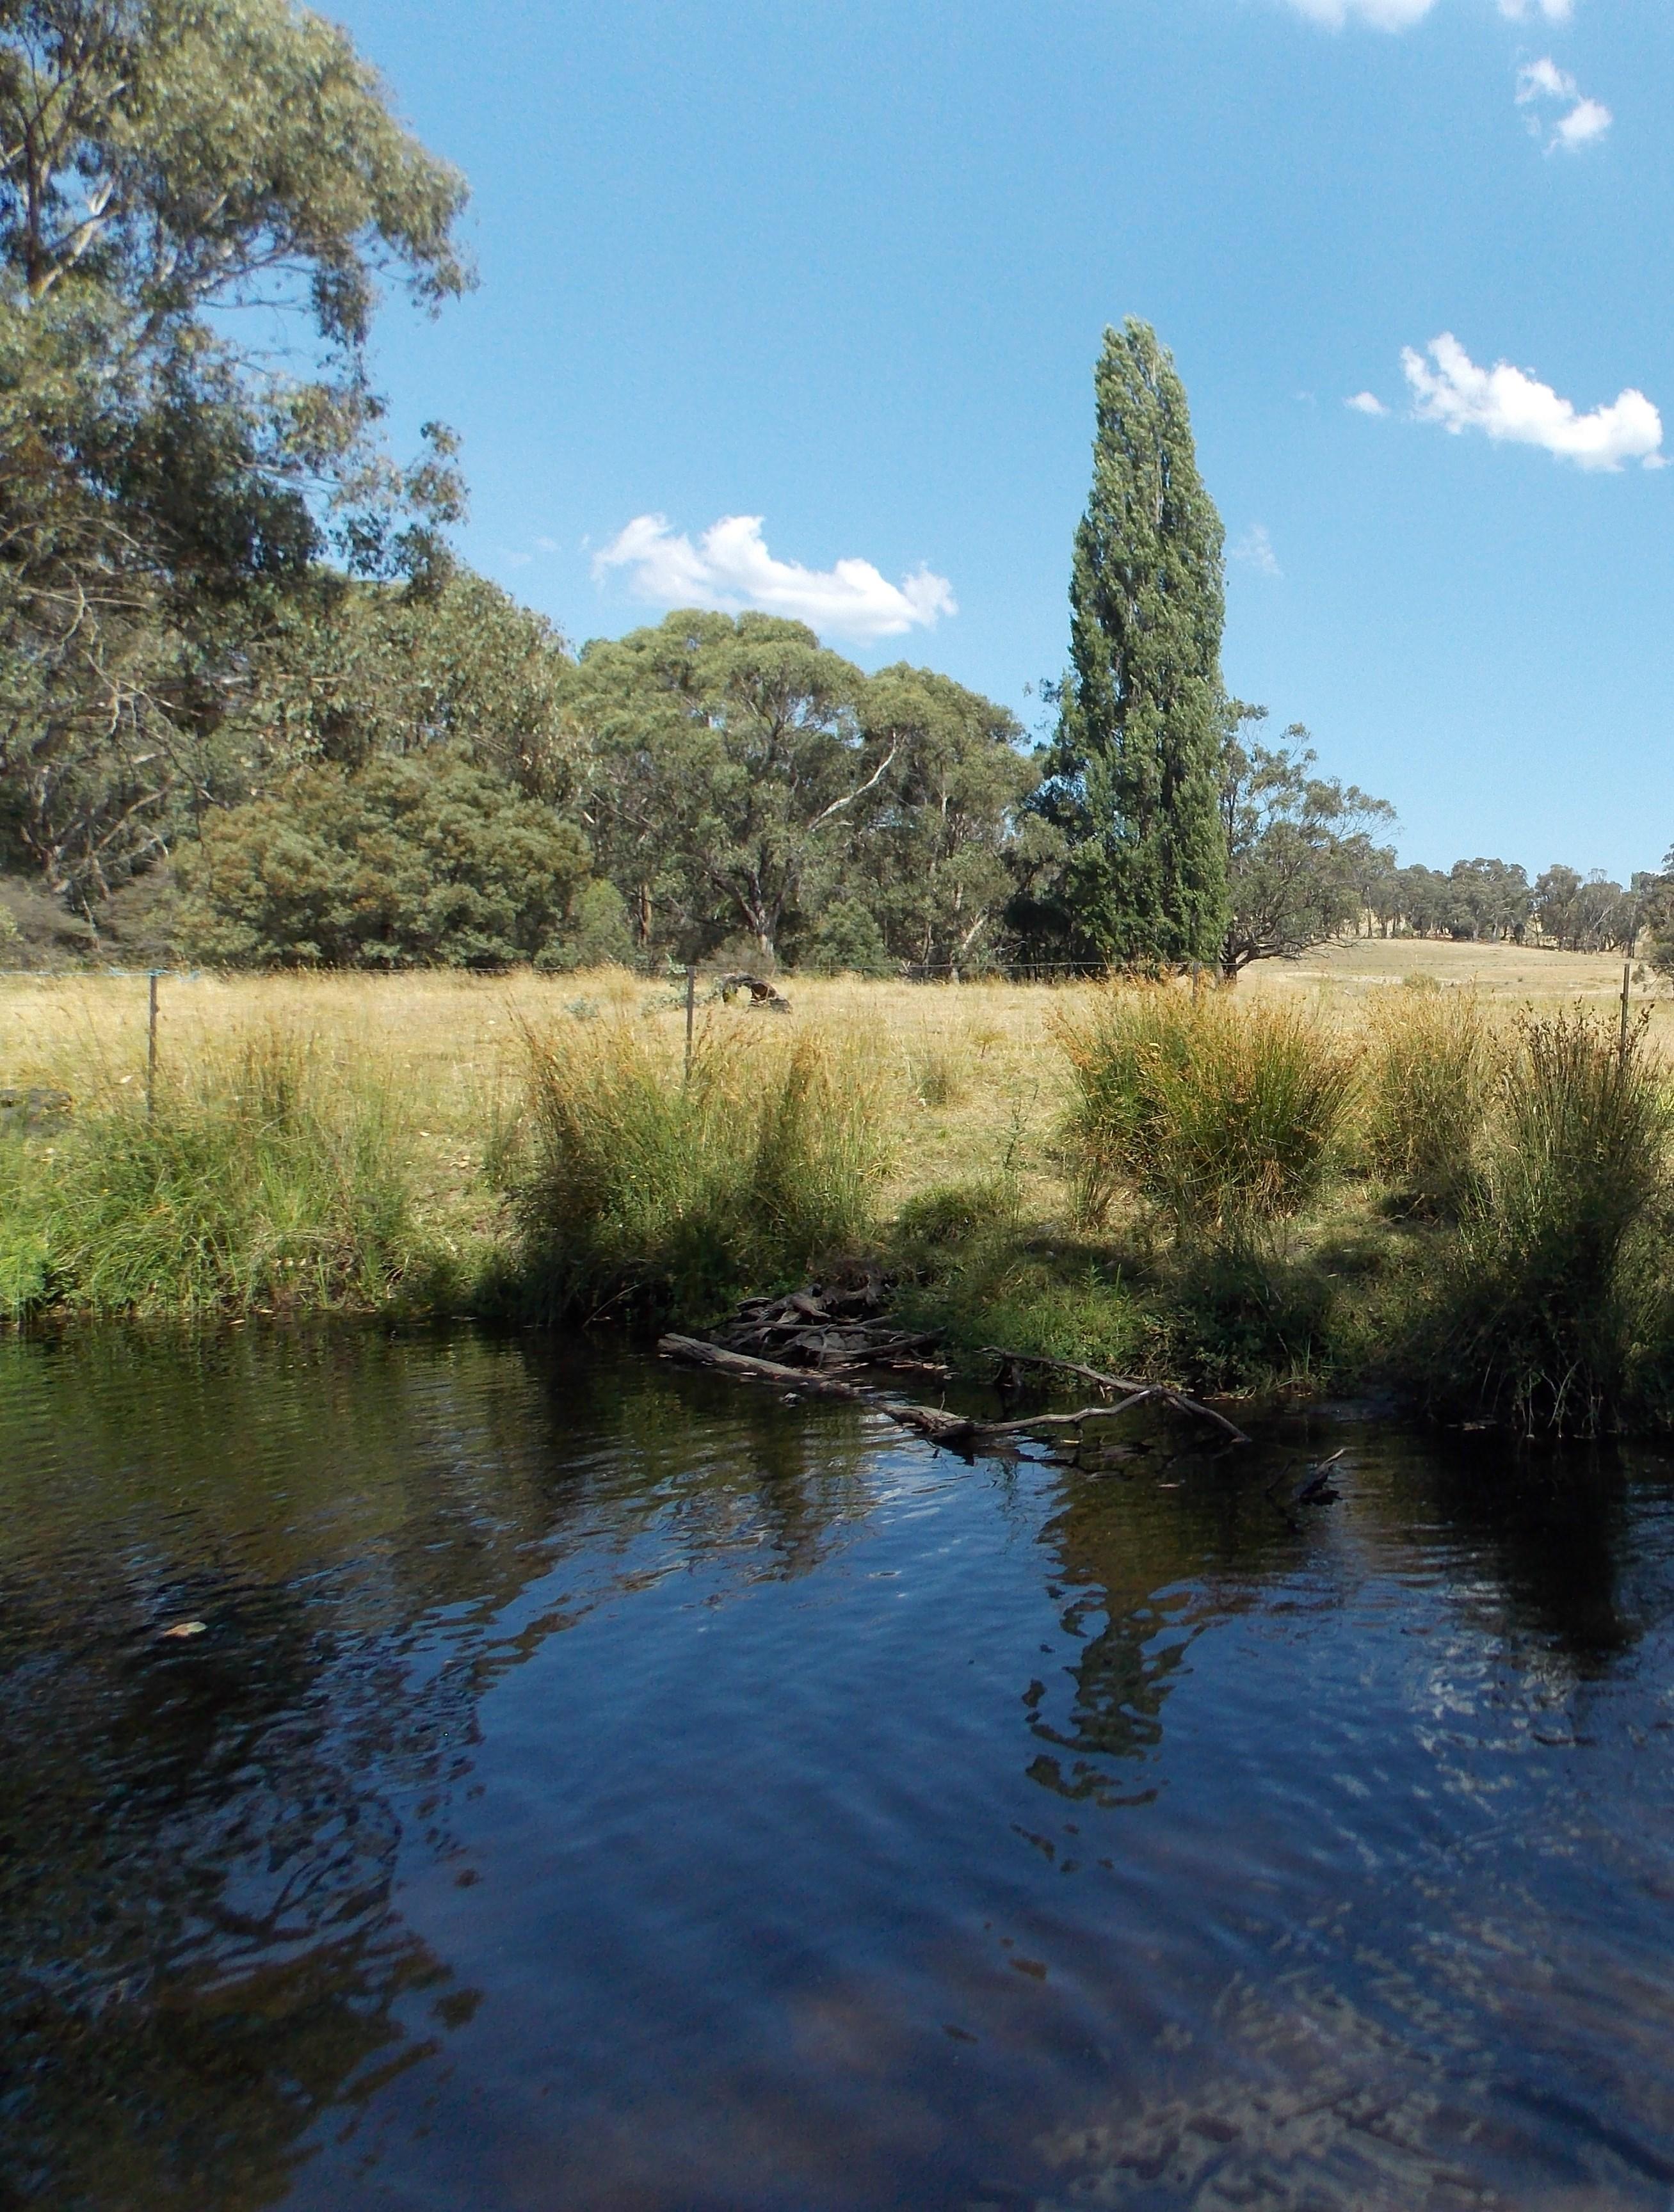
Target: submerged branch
959, 1431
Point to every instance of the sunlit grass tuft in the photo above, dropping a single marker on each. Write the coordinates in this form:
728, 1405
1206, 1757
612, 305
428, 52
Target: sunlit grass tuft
1213, 1112
270, 1176
637, 1182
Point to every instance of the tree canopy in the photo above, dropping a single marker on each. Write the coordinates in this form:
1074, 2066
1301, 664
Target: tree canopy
165, 164
1299, 848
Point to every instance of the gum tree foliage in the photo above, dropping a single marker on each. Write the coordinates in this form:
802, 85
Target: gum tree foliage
1132, 775
724, 752
343, 671
167, 168
743, 781
931, 852
403, 863
1586, 914
1298, 847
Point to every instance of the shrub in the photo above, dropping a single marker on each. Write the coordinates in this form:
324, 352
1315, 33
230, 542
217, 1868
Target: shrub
275, 1179
635, 1182
1213, 1113
1556, 1272
1430, 1082
405, 863
846, 939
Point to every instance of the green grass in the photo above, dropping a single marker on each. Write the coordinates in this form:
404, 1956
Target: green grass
275, 1180
1432, 1067
639, 1186
1213, 1113
1555, 1284
1244, 1195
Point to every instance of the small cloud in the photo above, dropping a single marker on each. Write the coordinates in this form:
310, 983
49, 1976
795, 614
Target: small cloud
1381, 15
1255, 549
1366, 403
730, 568
1511, 407
1554, 11
515, 559
1587, 119
1543, 80
546, 545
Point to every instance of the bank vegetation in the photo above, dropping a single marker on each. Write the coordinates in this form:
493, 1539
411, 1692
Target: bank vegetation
1458, 1197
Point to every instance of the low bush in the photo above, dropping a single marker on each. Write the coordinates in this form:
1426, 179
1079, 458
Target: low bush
274, 1179
635, 1182
1213, 1113
1429, 1086
1556, 1275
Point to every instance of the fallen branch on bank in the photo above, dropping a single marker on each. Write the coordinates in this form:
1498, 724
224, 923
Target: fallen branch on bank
1131, 1388
959, 1431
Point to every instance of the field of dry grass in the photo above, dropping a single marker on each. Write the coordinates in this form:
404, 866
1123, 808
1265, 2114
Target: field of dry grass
972, 1083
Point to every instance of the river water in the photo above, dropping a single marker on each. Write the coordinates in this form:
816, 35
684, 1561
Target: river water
595, 1786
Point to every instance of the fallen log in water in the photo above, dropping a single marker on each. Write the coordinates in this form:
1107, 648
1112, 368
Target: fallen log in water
957, 1431
1129, 1388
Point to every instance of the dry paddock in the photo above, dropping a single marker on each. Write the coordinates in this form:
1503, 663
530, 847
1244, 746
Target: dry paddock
968, 1069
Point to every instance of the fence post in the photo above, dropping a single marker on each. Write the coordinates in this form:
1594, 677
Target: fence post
691, 1009
151, 1044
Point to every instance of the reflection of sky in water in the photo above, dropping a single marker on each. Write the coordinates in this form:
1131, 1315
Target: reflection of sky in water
597, 1788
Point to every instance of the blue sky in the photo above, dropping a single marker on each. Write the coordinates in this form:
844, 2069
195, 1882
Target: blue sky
844, 266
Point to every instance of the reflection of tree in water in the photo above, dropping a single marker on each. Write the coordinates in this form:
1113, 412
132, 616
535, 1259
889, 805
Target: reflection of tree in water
1152, 1568
200, 1840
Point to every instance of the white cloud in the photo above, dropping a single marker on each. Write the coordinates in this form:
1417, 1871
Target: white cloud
546, 545
1588, 120
1255, 549
1511, 407
1399, 15
730, 568
1543, 80
1366, 402
1381, 14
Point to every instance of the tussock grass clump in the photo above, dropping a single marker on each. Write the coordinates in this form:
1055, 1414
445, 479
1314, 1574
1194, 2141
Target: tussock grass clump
1430, 1084
270, 1178
1556, 1274
1213, 1113
936, 1074
633, 1181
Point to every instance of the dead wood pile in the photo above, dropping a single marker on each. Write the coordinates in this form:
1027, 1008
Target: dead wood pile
821, 1337
836, 1330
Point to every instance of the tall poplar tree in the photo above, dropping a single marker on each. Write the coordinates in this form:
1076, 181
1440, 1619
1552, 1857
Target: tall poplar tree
1133, 773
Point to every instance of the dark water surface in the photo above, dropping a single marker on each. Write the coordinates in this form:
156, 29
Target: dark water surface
596, 1787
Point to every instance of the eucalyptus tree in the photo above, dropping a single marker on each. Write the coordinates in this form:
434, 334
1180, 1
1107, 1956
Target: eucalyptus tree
727, 756
1133, 774
931, 857
1299, 847
199, 200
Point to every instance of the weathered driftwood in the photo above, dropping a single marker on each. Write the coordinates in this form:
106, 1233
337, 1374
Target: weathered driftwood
957, 1431
841, 1330
925, 1420
1132, 1389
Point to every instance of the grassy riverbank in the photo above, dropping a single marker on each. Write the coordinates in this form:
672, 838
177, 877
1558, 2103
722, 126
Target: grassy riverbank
525, 1145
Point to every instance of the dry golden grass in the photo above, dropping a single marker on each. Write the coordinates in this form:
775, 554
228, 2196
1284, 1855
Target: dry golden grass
971, 1074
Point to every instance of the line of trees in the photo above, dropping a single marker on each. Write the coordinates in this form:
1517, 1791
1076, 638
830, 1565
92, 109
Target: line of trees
234, 644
